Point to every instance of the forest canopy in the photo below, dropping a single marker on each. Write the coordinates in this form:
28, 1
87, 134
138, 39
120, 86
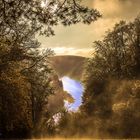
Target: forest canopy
25, 73
111, 100
31, 93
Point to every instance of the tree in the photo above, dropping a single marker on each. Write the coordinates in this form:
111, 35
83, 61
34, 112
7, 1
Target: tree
111, 80
39, 76
24, 18
15, 114
23, 69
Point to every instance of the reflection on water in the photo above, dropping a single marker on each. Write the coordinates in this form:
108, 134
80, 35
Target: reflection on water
74, 88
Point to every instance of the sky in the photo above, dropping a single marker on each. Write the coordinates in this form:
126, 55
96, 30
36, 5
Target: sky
74, 88
78, 39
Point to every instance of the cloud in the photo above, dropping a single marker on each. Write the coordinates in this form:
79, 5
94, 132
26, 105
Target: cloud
78, 39
107, 7
73, 51
125, 9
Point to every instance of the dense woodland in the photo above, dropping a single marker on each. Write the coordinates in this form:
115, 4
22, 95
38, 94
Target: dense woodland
111, 100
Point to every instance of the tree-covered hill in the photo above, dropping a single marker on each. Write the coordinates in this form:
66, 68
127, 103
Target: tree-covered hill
68, 65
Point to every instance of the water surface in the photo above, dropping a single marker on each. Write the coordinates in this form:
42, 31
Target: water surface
75, 88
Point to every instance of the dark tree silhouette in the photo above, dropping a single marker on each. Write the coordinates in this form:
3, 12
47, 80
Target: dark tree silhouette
24, 70
112, 81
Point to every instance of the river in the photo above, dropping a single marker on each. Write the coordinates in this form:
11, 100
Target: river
75, 89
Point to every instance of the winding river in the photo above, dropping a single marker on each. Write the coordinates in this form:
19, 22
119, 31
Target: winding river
75, 88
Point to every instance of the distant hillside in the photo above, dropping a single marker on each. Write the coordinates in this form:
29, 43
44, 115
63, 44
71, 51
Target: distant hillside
68, 65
